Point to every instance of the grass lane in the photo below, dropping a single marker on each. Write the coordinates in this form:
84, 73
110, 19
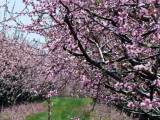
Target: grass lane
64, 109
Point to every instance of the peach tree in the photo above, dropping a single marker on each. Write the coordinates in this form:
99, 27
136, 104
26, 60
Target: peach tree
111, 48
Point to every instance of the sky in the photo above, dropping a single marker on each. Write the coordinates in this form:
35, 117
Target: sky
19, 6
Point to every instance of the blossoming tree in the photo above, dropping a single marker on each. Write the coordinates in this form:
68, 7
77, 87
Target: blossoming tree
112, 46
23, 67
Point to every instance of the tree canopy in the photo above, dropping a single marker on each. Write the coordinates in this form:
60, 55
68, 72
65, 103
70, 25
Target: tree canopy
110, 48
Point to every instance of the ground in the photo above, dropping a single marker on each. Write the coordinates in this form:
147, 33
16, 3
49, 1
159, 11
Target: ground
100, 112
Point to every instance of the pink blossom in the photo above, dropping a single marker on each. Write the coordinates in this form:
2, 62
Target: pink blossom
131, 105
48, 96
146, 104
32, 90
140, 67
51, 104
130, 76
118, 86
158, 83
155, 103
130, 88
51, 92
124, 1
76, 118
126, 64
55, 92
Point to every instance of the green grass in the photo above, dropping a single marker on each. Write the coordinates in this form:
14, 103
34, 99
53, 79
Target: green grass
64, 109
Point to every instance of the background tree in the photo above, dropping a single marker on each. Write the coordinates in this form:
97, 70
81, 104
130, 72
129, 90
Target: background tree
24, 69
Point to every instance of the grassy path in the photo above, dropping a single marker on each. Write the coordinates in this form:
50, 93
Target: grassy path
64, 109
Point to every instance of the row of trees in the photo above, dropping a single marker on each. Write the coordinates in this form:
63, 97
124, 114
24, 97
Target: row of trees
23, 67
111, 48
